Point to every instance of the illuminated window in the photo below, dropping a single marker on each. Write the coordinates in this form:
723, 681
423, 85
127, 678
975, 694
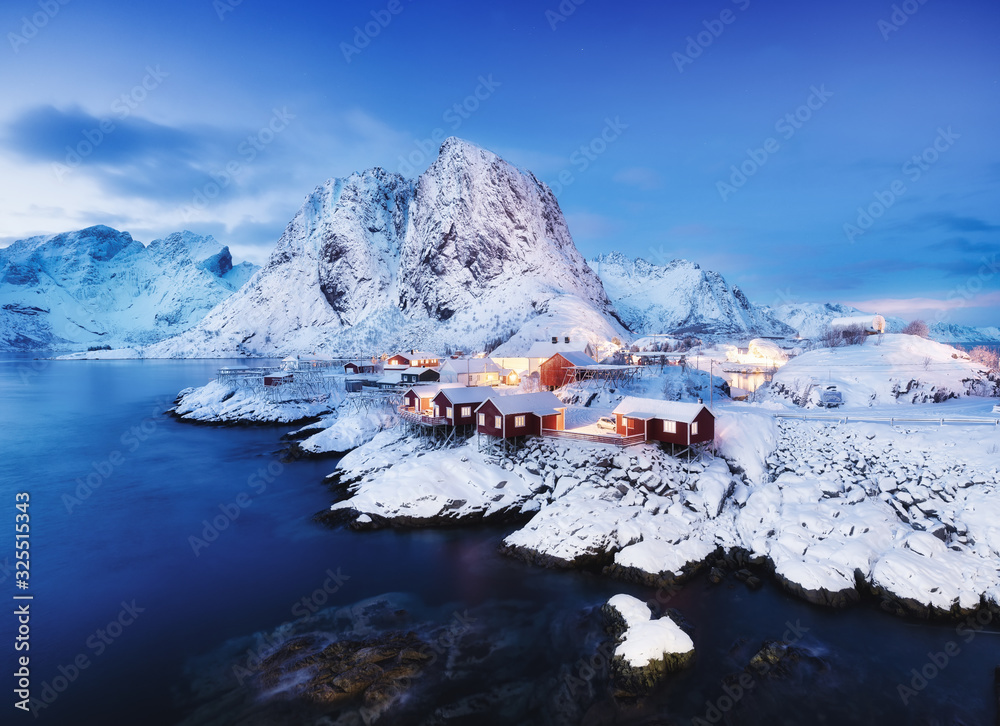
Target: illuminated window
482, 419
466, 411
448, 412
694, 429
670, 427
519, 422
497, 423
437, 410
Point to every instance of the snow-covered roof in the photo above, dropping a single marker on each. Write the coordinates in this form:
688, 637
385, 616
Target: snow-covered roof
416, 370
470, 365
547, 349
647, 408
540, 404
417, 355
429, 390
577, 358
391, 377
468, 394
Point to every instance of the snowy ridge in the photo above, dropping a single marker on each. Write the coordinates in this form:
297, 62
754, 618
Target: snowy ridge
98, 286
681, 298
474, 251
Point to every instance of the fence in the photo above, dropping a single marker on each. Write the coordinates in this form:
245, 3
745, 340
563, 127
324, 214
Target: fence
621, 441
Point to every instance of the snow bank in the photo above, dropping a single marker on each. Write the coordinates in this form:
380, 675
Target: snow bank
392, 479
900, 369
218, 402
343, 432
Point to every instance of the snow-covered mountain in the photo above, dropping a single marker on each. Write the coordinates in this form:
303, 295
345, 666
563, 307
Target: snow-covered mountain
98, 286
809, 319
474, 252
680, 298
953, 333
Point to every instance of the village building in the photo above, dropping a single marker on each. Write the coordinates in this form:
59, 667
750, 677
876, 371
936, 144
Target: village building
521, 414
413, 359
419, 375
458, 404
558, 370
356, 368
472, 372
672, 422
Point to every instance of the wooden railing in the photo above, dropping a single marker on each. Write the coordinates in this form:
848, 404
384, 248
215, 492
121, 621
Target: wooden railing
612, 439
419, 418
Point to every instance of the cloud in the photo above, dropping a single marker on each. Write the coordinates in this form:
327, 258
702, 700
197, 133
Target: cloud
640, 177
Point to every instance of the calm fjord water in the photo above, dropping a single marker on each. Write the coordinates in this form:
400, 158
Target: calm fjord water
122, 555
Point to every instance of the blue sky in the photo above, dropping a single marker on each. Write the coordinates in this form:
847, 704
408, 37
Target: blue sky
773, 142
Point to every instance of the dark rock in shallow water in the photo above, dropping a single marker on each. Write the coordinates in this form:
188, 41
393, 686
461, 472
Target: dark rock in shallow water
374, 671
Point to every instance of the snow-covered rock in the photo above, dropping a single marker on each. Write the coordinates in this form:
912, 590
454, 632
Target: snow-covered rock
646, 649
98, 286
472, 252
219, 402
681, 298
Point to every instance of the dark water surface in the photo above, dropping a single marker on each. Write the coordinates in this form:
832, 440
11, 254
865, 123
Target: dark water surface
122, 554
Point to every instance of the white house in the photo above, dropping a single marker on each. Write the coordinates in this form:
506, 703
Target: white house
471, 371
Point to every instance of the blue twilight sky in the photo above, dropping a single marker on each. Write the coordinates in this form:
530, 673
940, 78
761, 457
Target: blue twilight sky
807, 151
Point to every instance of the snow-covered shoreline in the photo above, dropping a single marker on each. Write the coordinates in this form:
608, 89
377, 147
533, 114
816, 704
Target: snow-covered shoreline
833, 512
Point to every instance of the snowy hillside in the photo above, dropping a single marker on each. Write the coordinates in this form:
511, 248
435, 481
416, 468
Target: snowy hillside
903, 369
98, 286
680, 298
475, 250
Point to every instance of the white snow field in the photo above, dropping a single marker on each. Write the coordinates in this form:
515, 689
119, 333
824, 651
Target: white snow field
899, 369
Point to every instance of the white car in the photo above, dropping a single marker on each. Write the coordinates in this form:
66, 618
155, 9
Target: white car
606, 422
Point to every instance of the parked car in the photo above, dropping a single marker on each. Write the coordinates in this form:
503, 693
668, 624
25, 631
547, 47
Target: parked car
606, 422
831, 397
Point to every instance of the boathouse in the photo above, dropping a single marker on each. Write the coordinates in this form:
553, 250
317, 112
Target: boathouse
672, 422
520, 414
559, 370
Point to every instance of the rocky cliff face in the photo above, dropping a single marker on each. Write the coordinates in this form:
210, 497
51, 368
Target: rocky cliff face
473, 252
98, 286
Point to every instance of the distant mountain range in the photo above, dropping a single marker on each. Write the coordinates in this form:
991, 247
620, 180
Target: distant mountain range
682, 299
473, 254
98, 286
809, 319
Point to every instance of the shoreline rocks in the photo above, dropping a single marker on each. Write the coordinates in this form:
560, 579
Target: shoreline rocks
647, 649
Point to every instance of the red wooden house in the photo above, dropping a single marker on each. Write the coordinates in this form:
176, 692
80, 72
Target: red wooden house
355, 368
558, 370
420, 398
521, 414
413, 359
459, 404
671, 422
